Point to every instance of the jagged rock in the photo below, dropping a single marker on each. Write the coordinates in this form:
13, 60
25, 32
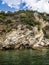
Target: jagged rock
24, 38
47, 42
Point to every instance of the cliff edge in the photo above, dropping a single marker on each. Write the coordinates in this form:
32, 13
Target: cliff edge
24, 29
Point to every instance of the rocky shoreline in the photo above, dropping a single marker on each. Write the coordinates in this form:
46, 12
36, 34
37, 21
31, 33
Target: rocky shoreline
24, 39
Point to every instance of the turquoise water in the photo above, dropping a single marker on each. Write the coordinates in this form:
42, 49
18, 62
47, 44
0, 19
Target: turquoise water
24, 57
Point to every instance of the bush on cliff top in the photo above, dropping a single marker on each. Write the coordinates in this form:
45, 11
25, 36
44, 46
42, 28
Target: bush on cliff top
10, 20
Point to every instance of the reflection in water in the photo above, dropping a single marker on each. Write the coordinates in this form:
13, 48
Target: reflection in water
44, 52
24, 57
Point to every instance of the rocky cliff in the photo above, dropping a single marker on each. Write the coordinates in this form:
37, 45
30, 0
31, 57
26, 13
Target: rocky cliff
25, 29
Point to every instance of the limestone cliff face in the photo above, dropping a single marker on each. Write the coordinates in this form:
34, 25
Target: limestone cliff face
24, 29
24, 38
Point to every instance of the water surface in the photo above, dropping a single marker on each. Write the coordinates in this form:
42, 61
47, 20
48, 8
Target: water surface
24, 57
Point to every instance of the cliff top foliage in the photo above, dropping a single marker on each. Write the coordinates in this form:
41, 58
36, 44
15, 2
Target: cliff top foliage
10, 20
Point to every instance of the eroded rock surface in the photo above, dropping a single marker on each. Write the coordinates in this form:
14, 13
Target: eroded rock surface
24, 38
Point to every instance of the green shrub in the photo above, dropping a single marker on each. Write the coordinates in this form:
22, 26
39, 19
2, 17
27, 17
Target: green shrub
47, 36
1, 20
8, 21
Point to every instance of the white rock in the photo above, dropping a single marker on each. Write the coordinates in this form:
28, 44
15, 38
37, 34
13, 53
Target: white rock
41, 43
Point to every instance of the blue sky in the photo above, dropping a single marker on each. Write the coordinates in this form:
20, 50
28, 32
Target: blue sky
5, 7
15, 5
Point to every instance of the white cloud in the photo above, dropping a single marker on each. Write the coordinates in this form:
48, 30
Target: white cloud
39, 5
12, 3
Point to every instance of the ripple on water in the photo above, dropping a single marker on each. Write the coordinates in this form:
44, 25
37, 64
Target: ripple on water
24, 57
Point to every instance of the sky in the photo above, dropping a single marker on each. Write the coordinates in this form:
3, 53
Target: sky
16, 5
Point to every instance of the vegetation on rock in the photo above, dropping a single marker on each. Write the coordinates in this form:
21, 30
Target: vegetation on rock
34, 26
